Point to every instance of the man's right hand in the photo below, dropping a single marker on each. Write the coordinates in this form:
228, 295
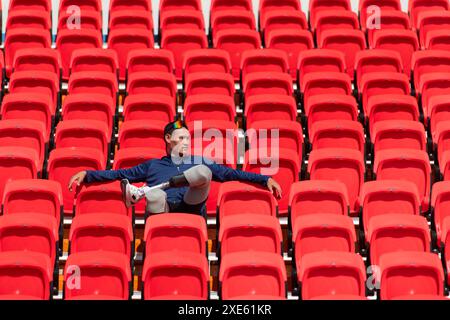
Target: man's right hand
77, 178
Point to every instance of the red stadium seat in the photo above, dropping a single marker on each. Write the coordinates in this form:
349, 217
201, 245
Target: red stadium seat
63, 163
135, 19
94, 5
282, 20
36, 19
175, 275
126, 5
268, 6
166, 5
388, 197
94, 60
376, 60
429, 61
29, 232
332, 274
344, 165
226, 5
263, 60
430, 21
270, 107
416, 7
83, 134
383, 83
316, 6
25, 276
440, 136
324, 107
349, 43
150, 107
232, 19
330, 83
160, 83
17, 163
440, 197
98, 82
35, 5
402, 41
317, 197
291, 41
101, 198
286, 171
28, 106
90, 107
288, 135
36, 82
150, 60
217, 83
252, 273
180, 41
345, 133
250, 232
237, 198
26, 134
236, 42
437, 111
215, 140
33, 196
425, 275
437, 40
206, 60
432, 85
408, 165
99, 273
444, 165
88, 20
209, 106
332, 20
390, 233
68, 41
385, 6
142, 133
124, 41
37, 60
389, 20
24, 38
323, 233
181, 19
320, 60
175, 232
101, 232
391, 107
273, 83
398, 134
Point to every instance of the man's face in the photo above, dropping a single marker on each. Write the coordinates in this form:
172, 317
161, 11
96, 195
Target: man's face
179, 142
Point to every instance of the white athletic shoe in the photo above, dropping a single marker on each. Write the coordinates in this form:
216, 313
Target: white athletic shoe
130, 193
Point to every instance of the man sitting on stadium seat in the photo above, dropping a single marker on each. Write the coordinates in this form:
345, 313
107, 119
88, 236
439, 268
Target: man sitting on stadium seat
178, 182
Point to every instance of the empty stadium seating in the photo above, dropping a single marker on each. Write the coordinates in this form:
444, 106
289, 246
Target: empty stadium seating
177, 231
150, 60
425, 276
346, 277
106, 275
267, 276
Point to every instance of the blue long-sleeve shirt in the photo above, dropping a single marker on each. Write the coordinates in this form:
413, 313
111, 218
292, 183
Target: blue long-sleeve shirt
158, 171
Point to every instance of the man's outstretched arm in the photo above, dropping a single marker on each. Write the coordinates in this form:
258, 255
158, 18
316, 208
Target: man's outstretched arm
223, 173
134, 174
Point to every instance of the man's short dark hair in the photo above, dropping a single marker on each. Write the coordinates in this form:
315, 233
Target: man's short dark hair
174, 125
